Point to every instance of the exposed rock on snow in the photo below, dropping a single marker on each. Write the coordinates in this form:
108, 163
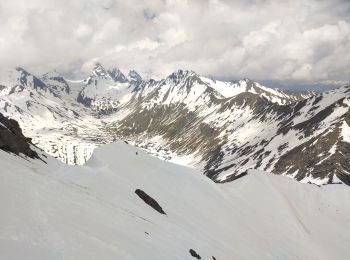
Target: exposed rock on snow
149, 201
12, 140
194, 254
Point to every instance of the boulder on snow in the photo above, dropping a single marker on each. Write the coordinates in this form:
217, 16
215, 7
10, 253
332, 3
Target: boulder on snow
194, 254
149, 200
12, 139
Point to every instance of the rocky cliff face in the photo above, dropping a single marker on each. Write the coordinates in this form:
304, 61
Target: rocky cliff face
12, 139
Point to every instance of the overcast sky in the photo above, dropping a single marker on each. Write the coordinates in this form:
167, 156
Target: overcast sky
260, 39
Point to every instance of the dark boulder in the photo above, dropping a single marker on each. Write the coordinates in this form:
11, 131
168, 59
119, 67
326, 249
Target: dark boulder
194, 254
150, 201
12, 139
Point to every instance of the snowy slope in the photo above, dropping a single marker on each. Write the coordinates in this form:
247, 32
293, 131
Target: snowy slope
55, 211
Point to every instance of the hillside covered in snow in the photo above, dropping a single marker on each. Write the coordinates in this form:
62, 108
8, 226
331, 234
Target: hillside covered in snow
56, 211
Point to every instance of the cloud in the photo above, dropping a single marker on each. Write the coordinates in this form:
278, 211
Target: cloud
261, 39
83, 30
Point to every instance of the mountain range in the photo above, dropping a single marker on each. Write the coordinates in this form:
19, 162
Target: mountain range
221, 129
119, 201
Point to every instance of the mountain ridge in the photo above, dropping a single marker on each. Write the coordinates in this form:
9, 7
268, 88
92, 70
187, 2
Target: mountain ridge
220, 128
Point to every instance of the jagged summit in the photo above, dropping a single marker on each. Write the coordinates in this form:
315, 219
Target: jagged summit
99, 71
117, 75
180, 75
134, 76
114, 74
52, 74
21, 70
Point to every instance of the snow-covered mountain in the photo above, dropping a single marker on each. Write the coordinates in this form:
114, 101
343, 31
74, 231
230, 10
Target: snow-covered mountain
280, 96
226, 136
106, 90
48, 113
221, 129
126, 204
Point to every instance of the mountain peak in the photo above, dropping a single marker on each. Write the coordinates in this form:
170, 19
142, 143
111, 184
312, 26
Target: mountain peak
20, 69
180, 75
247, 80
134, 76
99, 70
111, 74
52, 74
117, 75
22, 72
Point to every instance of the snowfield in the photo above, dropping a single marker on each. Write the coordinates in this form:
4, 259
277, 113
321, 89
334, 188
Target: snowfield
57, 211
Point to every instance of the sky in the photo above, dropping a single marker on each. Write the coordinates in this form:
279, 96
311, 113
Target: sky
306, 41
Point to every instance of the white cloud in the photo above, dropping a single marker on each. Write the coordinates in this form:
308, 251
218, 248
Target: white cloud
303, 40
83, 30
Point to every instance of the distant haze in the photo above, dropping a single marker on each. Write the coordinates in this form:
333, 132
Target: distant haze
307, 42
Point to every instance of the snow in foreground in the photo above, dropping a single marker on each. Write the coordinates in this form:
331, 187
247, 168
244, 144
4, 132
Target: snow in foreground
56, 211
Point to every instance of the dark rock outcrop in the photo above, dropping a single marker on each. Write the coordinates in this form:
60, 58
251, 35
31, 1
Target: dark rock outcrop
12, 139
194, 254
149, 200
